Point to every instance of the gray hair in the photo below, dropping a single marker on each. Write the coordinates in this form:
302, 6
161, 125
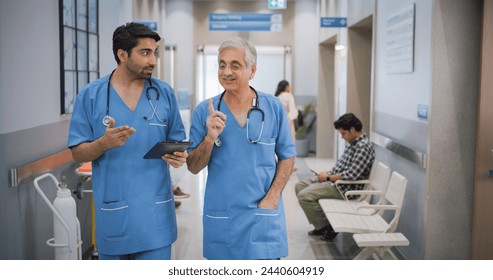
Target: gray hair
241, 44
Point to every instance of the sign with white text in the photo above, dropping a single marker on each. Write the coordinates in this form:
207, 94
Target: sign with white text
151, 24
333, 22
245, 22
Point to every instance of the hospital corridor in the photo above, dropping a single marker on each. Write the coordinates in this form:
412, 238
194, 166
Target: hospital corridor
383, 108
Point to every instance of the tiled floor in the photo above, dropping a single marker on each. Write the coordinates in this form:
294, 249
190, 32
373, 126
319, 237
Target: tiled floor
301, 246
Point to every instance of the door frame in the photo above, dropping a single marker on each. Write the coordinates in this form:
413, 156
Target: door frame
482, 222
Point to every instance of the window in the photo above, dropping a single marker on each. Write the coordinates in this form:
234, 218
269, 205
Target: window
79, 48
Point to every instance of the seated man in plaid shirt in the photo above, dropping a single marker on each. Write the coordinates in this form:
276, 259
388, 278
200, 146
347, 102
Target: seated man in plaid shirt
354, 164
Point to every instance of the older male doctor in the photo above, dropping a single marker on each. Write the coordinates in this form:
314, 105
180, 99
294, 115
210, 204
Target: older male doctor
243, 138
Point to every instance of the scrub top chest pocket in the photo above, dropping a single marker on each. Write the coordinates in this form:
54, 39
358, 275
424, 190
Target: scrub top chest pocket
265, 153
160, 124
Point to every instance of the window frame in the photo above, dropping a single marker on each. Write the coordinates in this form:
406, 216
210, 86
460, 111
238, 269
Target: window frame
79, 48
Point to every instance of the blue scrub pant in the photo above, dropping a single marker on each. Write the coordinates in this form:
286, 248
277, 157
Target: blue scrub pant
163, 253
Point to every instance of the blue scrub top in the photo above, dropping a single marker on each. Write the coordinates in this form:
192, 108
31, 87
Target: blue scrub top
239, 176
133, 197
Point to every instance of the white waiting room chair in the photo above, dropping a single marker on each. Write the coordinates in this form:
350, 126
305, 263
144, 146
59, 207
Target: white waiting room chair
376, 186
363, 223
378, 245
373, 232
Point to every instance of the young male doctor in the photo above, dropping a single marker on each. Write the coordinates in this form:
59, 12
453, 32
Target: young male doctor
116, 120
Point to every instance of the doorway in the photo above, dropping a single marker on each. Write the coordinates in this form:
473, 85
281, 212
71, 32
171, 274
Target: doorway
359, 68
345, 75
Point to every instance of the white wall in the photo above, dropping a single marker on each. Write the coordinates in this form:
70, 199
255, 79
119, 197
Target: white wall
178, 31
30, 59
112, 13
395, 100
305, 51
391, 97
29, 68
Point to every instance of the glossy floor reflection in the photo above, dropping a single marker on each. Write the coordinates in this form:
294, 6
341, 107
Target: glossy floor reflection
301, 245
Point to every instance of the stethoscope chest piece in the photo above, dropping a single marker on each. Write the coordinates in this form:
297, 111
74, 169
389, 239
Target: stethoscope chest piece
106, 120
218, 142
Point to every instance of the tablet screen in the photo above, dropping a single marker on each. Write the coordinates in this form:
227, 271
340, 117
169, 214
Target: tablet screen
162, 147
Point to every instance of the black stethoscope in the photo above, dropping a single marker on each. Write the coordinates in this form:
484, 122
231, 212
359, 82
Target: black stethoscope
255, 107
107, 119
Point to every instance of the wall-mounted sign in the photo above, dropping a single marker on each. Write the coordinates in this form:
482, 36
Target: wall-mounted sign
245, 22
277, 4
399, 51
333, 22
151, 24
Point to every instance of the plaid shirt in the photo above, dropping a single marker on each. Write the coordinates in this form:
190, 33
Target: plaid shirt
355, 163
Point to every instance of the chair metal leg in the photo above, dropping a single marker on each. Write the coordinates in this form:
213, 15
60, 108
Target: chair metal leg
364, 254
377, 253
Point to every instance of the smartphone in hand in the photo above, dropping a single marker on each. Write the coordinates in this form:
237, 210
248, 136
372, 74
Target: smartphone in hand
315, 178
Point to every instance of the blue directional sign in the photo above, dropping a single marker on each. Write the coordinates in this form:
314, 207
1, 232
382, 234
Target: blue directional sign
245, 22
151, 24
333, 22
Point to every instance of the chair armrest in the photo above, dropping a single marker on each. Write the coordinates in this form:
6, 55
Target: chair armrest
362, 192
351, 182
379, 207
366, 184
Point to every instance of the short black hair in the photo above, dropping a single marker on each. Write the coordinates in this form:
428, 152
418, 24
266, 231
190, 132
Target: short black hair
347, 121
126, 37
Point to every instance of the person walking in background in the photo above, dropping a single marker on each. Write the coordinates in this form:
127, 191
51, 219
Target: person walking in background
287, 99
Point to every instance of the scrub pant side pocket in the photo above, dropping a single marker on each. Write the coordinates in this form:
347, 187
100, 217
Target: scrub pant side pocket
114, 218
165, 210
217, 227
267, 226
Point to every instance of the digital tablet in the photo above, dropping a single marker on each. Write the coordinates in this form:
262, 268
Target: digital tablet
163, 147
